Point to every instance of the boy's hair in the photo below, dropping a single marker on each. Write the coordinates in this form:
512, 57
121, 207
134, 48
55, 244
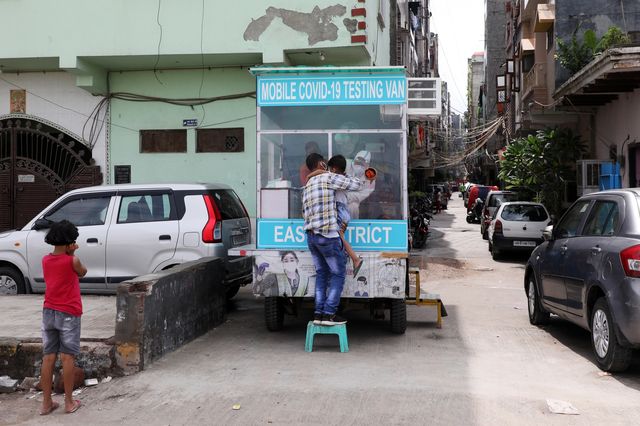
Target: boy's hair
313, 160
61, 233
338, 162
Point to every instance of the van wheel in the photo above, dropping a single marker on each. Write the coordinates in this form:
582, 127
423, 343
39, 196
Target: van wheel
610, 355
273, 313
398, 314
11, 281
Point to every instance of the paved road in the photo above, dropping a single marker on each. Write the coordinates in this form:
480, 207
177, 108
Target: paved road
487, 365
20, 317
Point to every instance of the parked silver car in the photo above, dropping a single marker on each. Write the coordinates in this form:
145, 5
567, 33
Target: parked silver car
517, 226
131, 230
588, 272
491, 204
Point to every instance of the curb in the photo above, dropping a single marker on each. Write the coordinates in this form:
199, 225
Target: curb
21, 358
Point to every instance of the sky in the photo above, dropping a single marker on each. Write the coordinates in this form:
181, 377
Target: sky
460, 28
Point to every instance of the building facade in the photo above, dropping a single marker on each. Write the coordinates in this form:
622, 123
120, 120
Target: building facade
475, 80
594, 101
158, 92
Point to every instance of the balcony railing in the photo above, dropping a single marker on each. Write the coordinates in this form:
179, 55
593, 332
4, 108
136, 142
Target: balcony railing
535, 78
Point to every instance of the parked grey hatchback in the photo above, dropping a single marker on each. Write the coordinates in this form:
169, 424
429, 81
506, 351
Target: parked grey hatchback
588, 272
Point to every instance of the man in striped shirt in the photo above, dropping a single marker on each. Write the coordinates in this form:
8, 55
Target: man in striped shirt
325, 245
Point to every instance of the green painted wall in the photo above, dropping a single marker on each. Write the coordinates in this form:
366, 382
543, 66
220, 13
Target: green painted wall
113, 46
93, 29
127, 118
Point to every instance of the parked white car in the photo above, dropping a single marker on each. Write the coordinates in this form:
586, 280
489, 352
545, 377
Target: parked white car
517, 226
131, 230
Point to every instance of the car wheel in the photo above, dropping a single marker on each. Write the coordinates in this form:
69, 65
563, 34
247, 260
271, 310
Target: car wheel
537, 314
610, 355
495, 252
232, 291
11, 281
398, 314
273, 313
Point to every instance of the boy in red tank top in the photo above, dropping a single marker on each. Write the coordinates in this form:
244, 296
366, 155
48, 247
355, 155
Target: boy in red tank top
61, 313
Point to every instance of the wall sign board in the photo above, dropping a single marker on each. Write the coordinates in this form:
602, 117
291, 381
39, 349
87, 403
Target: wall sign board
122, 174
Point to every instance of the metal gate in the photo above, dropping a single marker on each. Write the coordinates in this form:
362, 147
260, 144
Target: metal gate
38, 163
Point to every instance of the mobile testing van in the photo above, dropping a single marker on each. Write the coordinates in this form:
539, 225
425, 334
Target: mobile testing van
359, 112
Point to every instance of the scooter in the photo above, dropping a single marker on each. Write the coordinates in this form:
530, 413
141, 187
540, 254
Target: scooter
474, 215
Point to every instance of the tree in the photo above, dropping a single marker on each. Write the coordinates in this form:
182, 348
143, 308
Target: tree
540, 165
575, 54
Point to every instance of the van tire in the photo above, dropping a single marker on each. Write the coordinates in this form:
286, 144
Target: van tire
273, 313
398, 314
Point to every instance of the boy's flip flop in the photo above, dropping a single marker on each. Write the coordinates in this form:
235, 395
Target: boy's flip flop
54, 406
76, 405
356, 269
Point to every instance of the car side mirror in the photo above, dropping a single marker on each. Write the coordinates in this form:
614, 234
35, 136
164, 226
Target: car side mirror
547, 234
41, 224
553, 219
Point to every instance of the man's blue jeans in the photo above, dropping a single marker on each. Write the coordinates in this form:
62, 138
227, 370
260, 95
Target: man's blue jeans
330, 263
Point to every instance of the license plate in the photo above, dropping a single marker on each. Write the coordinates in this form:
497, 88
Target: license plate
239, 239
524, 243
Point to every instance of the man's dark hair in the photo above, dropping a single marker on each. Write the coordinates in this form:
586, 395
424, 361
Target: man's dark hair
338, 162
313, 160
61, 233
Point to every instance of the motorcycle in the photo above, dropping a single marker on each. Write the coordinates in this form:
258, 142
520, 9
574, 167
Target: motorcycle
474, 215
420, 224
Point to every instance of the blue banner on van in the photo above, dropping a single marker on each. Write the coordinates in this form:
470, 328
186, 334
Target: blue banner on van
363, 235
331, 90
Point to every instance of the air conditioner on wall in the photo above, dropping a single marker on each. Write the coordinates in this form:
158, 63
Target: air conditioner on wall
597, 175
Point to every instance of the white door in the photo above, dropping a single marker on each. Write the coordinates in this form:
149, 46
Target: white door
89, 212
143, 235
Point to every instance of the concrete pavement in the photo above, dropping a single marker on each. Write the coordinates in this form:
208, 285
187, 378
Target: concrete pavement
21, 316
487, 365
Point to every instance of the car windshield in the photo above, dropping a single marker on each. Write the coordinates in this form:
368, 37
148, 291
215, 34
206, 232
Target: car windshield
524, 213
496, 200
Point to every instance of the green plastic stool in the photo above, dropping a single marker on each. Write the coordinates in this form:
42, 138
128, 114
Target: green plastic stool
340, 330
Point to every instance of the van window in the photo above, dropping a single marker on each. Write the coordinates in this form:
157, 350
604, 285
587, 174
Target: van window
229, 204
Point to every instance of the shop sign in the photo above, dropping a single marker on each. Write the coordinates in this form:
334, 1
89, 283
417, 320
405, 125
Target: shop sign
333, 90
365, 235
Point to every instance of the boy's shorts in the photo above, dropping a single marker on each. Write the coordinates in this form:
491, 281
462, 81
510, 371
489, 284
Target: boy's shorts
343, 214
60, 332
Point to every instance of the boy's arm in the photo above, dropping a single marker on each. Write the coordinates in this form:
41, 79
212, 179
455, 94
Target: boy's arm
80, 269
343, 182
315, 173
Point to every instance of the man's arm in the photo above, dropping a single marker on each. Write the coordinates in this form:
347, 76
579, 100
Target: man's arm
346, 183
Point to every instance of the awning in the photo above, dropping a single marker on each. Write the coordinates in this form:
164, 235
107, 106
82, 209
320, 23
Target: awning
603, 80
545, 16
527, 45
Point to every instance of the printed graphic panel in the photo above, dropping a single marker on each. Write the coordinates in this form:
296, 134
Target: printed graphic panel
293, 274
